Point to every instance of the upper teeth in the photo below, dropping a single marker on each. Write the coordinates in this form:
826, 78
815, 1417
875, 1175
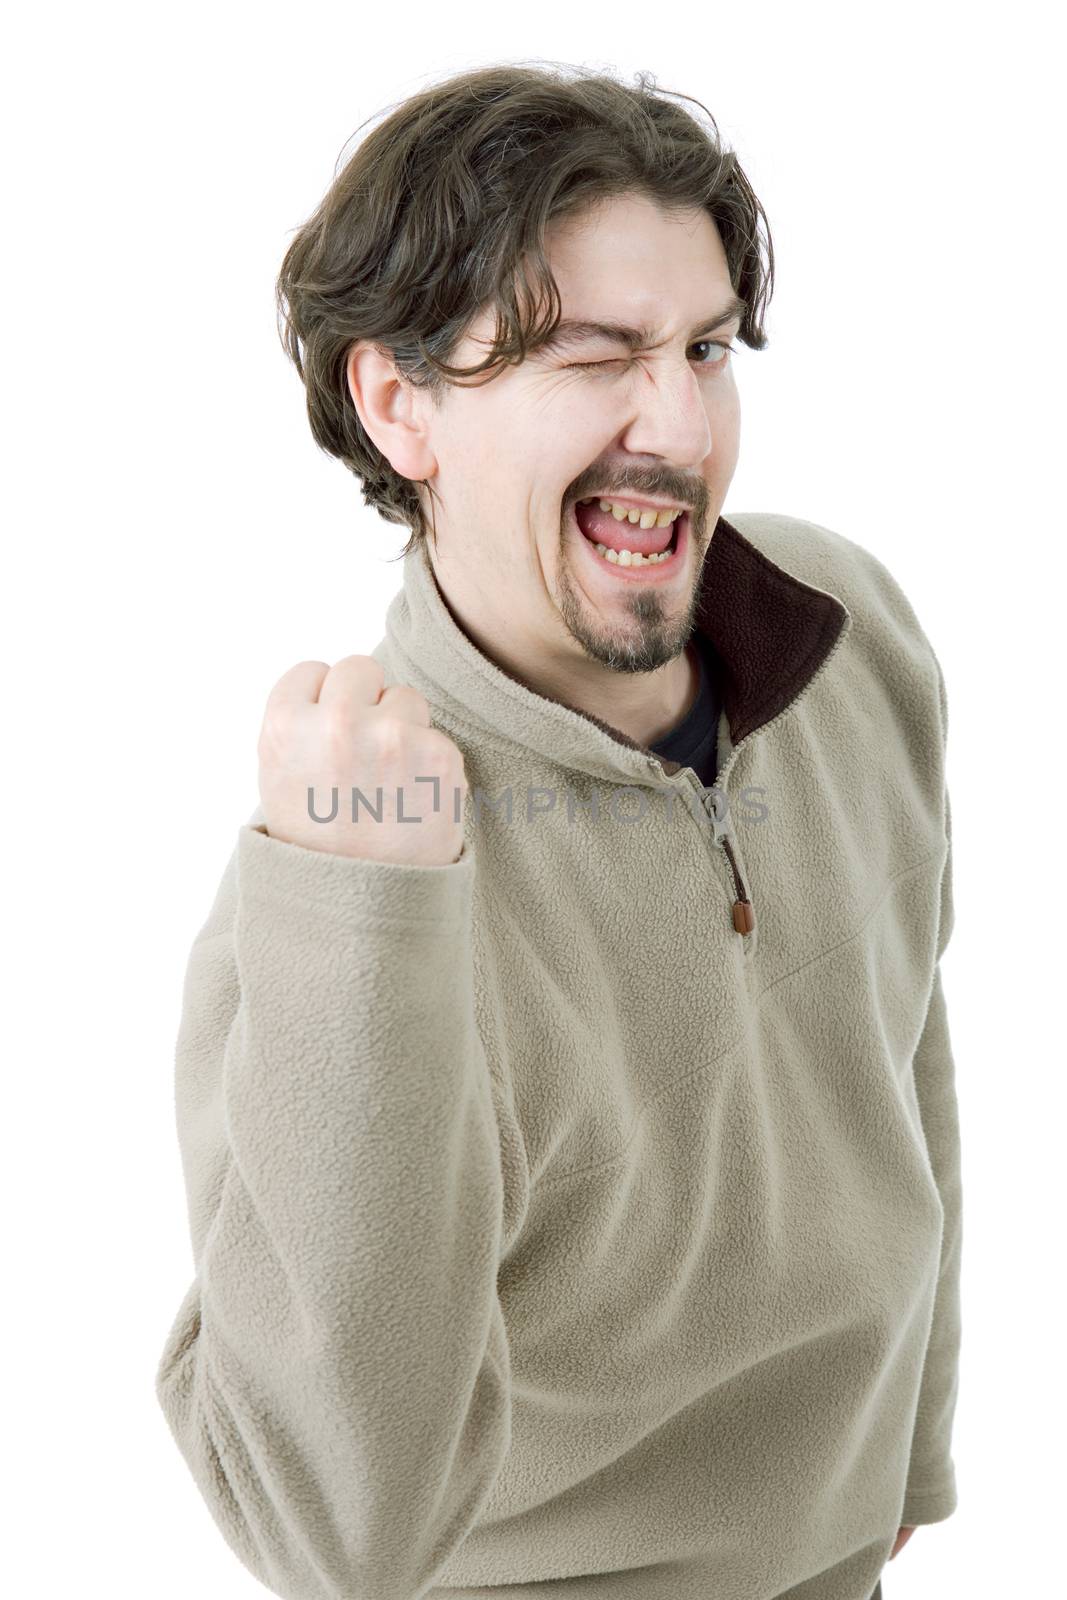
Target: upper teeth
652, 518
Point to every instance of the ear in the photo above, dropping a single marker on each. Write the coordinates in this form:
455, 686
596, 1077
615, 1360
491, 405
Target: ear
391, 409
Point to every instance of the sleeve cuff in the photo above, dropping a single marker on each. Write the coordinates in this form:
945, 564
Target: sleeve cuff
931, 1503
353, 892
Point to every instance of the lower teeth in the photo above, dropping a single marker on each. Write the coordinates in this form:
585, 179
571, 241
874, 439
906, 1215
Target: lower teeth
627, 558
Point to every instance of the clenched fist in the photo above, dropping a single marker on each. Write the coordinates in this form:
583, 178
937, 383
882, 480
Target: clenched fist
336, 728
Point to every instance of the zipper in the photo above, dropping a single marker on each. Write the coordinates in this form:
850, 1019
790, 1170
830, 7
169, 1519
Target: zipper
742, 911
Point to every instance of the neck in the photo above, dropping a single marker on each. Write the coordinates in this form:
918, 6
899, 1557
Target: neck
645, 706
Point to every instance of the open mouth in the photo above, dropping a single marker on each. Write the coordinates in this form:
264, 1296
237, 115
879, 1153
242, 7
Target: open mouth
636, 568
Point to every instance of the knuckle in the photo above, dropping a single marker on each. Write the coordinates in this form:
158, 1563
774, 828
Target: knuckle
299, 670
391, 742
274, 730
415, 698
337, 730
446, 756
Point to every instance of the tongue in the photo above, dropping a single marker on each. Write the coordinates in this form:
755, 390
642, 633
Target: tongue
600, 527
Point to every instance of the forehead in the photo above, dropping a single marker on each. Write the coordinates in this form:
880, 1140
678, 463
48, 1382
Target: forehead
630, 258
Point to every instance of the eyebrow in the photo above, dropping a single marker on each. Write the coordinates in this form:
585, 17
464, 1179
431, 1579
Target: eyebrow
571, 331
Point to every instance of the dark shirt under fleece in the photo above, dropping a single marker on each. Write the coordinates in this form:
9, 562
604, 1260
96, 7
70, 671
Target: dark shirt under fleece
692, 741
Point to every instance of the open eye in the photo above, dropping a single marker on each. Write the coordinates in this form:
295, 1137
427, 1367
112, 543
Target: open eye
715, 344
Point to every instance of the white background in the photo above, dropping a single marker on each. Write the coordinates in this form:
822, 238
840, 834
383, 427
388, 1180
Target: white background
175, 540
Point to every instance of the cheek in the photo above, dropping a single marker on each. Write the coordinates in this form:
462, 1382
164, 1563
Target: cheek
724, 417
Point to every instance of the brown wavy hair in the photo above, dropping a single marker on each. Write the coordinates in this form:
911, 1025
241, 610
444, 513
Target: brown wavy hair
442, 211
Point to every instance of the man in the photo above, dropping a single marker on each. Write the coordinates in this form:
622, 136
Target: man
564, 1082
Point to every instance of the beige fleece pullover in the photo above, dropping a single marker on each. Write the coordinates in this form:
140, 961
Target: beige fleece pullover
588, 1210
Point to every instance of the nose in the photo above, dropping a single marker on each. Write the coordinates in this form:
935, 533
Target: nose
669, 416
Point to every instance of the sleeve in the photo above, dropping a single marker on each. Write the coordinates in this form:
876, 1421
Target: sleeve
931, 1485
337, 1375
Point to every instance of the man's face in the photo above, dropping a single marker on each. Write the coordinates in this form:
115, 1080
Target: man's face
515, 454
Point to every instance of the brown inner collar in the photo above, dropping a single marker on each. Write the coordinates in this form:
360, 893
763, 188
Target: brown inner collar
771, 631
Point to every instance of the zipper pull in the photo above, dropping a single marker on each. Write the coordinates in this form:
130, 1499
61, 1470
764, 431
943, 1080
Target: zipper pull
742, 911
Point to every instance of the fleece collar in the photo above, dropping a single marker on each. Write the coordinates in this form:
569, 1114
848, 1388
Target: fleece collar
770, 630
